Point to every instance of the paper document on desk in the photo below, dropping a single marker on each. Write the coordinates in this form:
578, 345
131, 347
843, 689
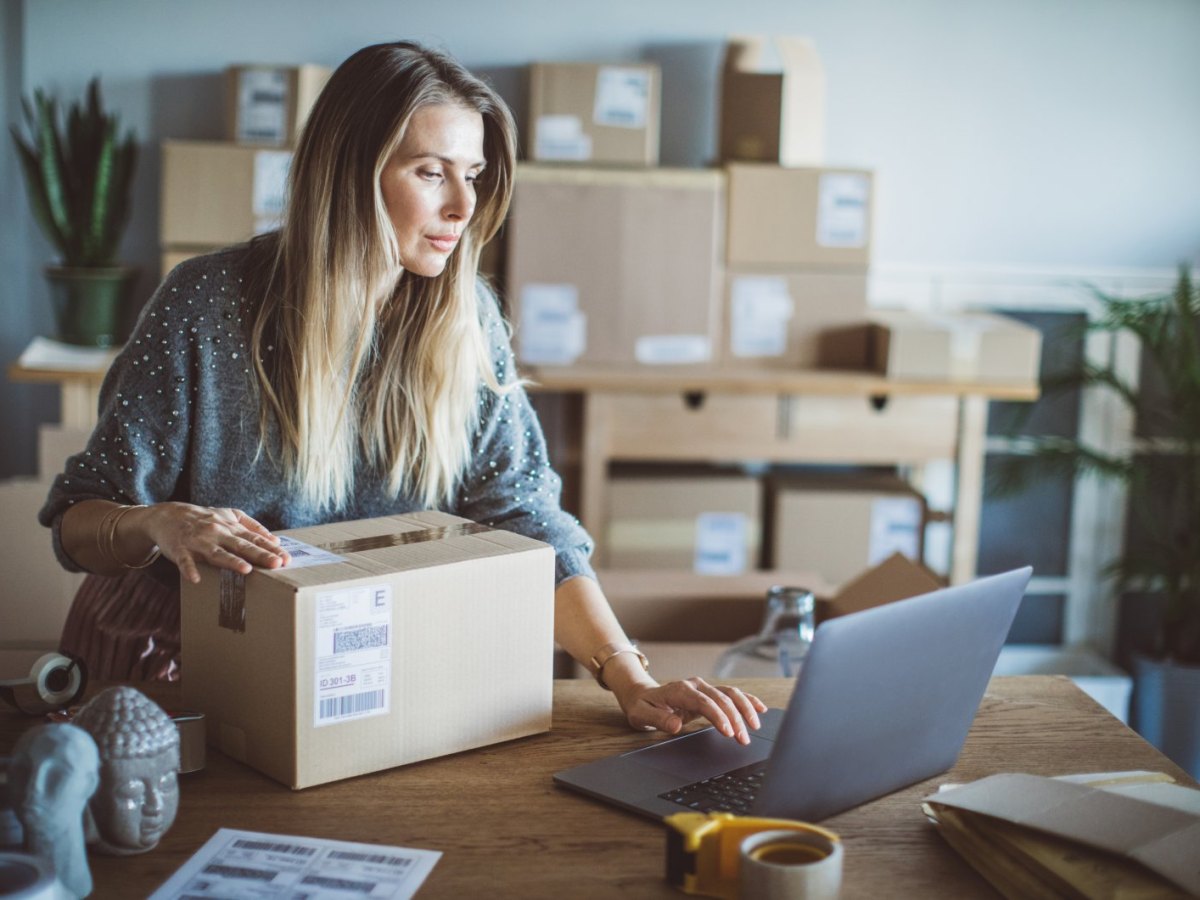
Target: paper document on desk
248, 865
1015, 826
44, 353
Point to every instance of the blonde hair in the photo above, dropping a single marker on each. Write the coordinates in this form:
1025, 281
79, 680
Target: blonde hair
353, 355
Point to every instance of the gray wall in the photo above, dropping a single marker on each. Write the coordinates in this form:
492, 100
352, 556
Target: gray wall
1050, 134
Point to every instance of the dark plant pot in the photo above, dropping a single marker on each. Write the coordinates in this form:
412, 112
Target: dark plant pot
89, 304
1166, 709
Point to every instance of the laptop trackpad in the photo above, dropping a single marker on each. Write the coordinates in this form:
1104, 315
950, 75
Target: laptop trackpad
701, 755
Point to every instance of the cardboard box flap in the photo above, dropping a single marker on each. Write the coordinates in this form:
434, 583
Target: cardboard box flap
896, 578
1160, 837
745, 53
394, 544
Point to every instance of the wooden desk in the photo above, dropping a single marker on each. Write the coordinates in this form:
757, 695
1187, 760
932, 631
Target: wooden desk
506, 831
802, 416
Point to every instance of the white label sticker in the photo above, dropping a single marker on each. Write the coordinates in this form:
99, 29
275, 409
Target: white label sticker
842, 210
552, 331
353, 671
895, 528
561, 137
622, 97
270, 187
672, 349
761, 308
304, 555
262, 104
721, 543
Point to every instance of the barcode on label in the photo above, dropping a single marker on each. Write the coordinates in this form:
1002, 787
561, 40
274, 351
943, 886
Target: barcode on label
274, 848
343, 885
365, 637
380, 859
350, 705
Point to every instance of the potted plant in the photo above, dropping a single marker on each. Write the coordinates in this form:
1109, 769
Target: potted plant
1161, 559
79, 179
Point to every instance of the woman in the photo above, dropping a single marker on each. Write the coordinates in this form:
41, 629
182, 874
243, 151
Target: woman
349, 365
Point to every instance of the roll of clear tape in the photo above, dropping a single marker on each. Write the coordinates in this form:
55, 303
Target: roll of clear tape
791, 865
54, 681
26, 877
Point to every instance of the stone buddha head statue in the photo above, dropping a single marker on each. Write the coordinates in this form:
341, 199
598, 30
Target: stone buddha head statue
139, 762
52, 774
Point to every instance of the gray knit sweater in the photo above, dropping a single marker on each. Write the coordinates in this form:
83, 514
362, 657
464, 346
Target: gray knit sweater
179, 420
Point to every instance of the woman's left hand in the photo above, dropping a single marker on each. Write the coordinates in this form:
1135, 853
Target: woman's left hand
668, 707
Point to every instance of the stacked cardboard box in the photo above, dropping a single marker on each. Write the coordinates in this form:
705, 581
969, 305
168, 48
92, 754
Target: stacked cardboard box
39, 590
686, 522
615, 267
594, 113
839, 525
683, 622
216, 193
798, 239
978, 347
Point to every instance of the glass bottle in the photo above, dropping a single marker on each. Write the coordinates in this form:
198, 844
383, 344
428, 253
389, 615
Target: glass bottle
780, 645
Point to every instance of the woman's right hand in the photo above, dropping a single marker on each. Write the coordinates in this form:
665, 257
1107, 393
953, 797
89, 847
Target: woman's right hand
225, 538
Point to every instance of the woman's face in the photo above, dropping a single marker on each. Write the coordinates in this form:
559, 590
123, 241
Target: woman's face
429, 184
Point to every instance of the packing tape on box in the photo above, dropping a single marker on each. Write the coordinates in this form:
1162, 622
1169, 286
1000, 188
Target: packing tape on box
727, 856
232, 590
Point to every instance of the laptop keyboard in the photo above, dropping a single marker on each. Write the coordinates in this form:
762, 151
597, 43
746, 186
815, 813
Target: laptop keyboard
731, 792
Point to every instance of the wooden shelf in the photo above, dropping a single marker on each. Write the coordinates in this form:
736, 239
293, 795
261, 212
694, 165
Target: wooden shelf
687, 379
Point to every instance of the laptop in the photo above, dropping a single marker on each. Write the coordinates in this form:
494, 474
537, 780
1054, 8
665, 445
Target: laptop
884, 699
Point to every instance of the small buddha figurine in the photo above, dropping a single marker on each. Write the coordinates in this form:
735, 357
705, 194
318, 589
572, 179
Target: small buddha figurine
53, 772
139, 761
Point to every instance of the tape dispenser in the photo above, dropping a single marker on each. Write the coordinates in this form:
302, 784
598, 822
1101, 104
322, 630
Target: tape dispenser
704, 849
54, 682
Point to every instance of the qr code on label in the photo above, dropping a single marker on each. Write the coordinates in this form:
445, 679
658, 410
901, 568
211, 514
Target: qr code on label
366, 637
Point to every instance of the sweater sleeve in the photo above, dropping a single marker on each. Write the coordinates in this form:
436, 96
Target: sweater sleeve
138, 450
510, 483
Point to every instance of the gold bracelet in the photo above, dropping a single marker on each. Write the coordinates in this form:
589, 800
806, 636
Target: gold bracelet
111, 547
101, 545
600, 659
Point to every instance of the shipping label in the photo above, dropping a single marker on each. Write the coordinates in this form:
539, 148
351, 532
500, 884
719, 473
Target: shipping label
761, 308
270, 188
622, 97
304, 555
843, 200
895, 528
561, 137
262, 105
672, 349
552, 330
353, 665
721, 539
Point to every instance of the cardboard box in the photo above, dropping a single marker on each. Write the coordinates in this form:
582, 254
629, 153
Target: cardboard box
839, 526
594, 113
55, 444
694, 618
37, 590
268, 105
173, 256
773, 113
375, 648
683, 607
615, 267
215, 194
977, 347
795, 218
775, 319
706, 524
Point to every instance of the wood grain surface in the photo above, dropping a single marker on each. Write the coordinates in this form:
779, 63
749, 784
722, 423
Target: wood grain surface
506, 831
